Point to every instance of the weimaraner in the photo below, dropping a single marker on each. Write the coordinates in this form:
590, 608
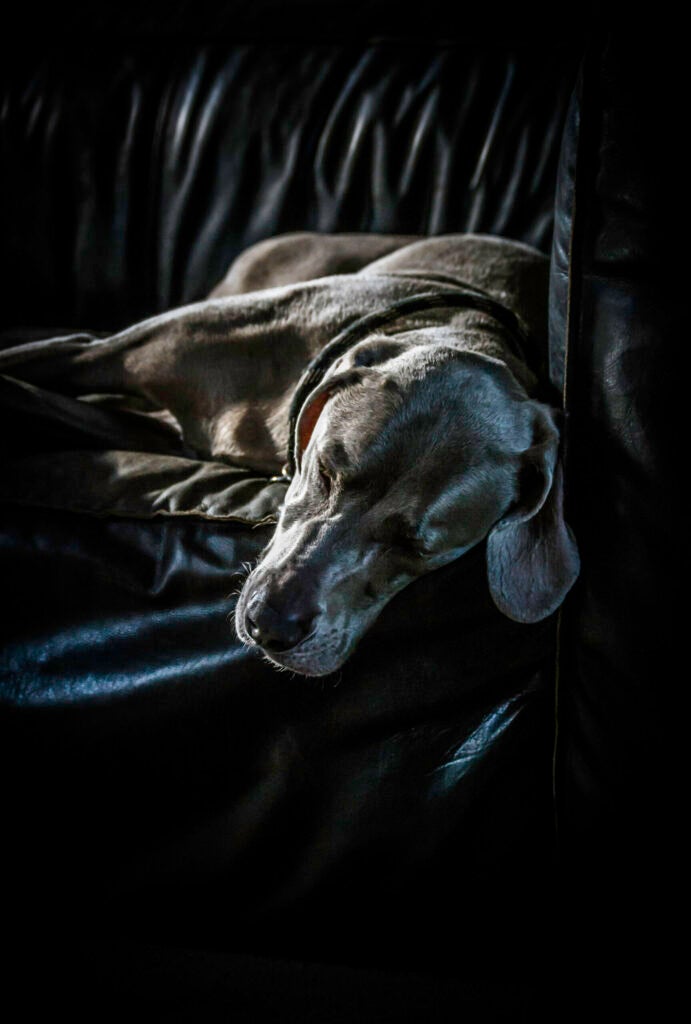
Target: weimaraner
417, 430
423, 437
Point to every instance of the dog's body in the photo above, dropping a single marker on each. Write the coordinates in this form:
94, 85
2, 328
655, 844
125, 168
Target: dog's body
425, 438
422, 437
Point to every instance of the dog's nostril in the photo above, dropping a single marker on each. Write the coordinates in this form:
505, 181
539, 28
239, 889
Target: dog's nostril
275, 632
253, 629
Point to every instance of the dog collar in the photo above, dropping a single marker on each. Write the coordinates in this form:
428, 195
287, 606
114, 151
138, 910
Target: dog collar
462, 297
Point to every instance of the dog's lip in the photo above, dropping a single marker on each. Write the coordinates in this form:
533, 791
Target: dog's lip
285, 659
288, 650
311, 670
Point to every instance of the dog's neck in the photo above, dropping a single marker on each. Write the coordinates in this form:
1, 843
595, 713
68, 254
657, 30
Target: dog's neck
464, 318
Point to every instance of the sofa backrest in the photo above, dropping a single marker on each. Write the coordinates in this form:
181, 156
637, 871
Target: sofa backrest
618, 327
148, 162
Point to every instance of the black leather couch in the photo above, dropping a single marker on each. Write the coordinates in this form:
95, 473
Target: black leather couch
476, 817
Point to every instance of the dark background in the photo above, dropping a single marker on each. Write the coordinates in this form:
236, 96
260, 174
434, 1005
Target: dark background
486, 821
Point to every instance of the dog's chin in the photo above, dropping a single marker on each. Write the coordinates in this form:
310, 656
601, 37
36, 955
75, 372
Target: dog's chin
321, 654
295, 661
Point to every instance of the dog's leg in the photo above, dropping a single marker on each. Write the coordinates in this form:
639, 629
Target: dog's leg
220, 370
304, 256
225, 369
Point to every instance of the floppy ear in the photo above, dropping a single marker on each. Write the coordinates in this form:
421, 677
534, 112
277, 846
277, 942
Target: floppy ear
307, 421
313, 407
532, 558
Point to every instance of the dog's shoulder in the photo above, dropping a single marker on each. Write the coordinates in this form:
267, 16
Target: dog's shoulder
513, 273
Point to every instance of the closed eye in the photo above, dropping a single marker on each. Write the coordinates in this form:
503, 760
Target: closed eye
419, 551
412, 547
325, 477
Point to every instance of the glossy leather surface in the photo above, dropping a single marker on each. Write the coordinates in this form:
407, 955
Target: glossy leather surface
197, 795
621, 245
167, 784
132, 178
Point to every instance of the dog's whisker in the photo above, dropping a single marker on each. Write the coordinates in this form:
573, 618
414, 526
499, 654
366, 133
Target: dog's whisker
274, 664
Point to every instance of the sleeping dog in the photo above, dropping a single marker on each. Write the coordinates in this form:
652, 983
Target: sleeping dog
398, 382
419, 435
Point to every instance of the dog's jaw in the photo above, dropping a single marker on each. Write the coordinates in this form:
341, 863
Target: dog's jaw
323, 652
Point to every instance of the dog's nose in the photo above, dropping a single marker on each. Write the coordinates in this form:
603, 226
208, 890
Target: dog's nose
275, 631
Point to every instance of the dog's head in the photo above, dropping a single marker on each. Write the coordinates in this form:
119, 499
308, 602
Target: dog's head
407, 455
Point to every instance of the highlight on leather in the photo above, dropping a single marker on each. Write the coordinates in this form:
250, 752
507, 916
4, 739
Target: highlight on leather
222, 147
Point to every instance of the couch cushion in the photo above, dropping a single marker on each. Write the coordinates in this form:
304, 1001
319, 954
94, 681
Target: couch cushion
621, 319
165, 783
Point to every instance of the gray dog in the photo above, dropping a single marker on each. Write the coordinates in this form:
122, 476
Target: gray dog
420, 437
400, 378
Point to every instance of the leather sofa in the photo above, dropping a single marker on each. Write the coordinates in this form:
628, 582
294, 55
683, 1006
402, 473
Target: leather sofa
436, 829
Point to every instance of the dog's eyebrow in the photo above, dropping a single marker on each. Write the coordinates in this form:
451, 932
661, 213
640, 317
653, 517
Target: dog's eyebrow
334, 453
